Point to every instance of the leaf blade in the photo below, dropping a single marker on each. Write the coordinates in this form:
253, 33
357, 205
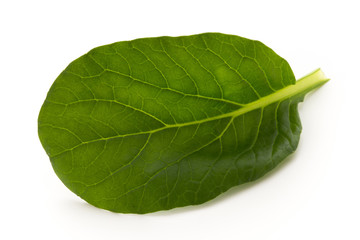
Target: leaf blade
137, 129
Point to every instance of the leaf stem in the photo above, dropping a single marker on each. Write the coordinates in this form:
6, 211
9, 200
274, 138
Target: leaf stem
312, 80
301, 87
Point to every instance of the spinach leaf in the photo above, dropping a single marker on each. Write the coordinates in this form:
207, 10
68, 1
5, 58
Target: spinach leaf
157, 123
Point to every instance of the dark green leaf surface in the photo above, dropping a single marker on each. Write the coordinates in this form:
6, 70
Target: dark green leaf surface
157, 123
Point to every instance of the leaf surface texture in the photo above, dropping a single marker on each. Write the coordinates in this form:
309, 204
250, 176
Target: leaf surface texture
157, 123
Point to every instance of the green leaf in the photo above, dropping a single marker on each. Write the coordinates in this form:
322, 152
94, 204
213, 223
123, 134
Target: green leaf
157, 123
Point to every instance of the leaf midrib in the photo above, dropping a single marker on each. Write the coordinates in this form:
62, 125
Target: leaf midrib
302, 86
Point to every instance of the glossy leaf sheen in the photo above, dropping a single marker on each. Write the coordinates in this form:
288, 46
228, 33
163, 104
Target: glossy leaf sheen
157, 123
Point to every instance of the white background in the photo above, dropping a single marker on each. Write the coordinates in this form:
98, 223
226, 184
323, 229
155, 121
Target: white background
314, 195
